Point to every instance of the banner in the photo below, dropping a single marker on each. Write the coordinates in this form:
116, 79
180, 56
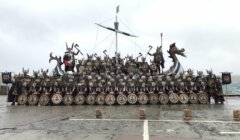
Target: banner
6, 77
226, 78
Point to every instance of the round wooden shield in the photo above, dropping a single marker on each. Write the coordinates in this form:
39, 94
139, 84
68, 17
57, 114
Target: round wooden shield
22, 99
68, 99
153, 98
203, 98
32, 99
163, 98
44, 100
183, 98
91, 99
100, 99
79, 99
193, 98
173, 98
153, 67
122, 99
132, 98
56, 98
110, 99
143, 99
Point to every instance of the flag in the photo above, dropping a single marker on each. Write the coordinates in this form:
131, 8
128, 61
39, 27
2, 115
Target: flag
117, 9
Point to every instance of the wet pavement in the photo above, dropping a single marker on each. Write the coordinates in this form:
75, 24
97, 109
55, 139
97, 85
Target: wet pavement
164, 122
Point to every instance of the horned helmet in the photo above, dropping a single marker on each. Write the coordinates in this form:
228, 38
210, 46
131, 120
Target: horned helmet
209, 72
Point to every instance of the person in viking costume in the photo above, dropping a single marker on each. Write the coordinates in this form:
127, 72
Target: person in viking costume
121, 86
200, 84
141, 84
101, 86
150, 84
130, 86
160, 85
144, 67
158, 59
211, 84
15, 89
189, 82
70, 87
219, 90
170, 85
89, 65
82, 86
90, 83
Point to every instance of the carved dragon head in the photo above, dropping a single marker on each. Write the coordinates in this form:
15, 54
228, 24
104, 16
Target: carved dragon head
173, 50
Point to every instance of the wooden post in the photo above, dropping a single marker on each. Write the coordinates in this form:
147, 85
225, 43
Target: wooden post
187, 114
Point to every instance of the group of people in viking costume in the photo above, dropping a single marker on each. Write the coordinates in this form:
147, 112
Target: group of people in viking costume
111, 88
127, 65
110, 80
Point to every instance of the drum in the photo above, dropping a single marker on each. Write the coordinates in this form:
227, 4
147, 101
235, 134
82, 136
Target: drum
193, 98
122, 99
68, 99
100, 99
143, 99
163, 99
173, 98
203, 98
132, 98
22, 99
110, 99
183, 98
56, 98
91, 99
79, 99
153, 98
33, 99
44, 100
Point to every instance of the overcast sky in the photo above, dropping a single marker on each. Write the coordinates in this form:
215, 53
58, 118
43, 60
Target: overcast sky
209, 30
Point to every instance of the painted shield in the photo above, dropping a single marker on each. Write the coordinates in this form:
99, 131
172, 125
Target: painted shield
203, 98
193, 98
153, 67
44, 100
56, 98
110, 99
68, 99
101, 99
91, 99
22, 99
32, 99
79, 99
153, 98
143, 99
173, 98
132, 98
183, 98
163, 99
122, 99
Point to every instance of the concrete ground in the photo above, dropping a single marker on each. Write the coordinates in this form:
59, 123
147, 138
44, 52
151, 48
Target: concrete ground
163, 122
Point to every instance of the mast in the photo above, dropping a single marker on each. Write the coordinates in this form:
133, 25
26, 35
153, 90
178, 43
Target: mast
116, 24
115, 29
161, 38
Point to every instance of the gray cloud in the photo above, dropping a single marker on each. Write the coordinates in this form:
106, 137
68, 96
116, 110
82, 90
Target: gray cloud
29, 31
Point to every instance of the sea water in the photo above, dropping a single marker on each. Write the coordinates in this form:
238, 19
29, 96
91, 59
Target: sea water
233, 88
